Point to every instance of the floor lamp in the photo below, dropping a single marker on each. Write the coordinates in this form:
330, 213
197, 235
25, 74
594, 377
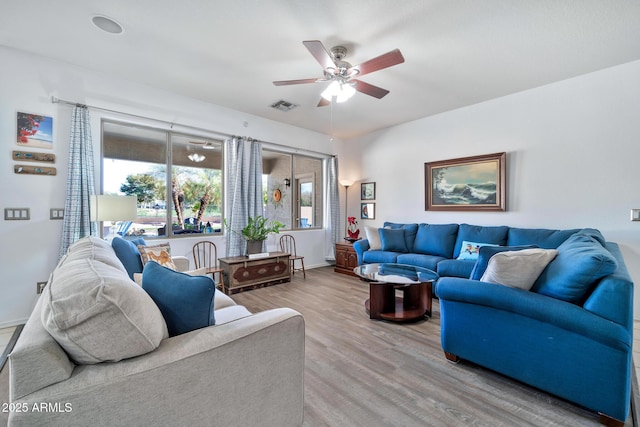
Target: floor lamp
104, 207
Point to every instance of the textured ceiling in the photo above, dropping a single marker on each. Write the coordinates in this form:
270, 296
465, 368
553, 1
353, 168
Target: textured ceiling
457, 52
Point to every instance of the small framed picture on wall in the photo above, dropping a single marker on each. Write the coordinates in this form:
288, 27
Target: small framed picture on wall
368, 191
367, 210
34, 130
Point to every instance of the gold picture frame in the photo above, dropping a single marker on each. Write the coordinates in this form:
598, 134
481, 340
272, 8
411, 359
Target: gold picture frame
466, 184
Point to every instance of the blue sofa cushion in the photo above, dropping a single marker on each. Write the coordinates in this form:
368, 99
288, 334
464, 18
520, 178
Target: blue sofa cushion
420, 260
128, 253
581, 261
410, 231
186, 302
541, 237
455, 268
476, 233
393, 240
485, 254
371, 257
436, 239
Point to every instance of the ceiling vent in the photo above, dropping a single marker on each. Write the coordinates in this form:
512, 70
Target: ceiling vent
283, 105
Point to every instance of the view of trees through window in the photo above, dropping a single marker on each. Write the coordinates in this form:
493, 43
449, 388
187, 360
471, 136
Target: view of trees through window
177, 180
134, 163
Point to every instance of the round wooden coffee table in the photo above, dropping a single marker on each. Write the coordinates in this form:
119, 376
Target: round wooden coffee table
384, 279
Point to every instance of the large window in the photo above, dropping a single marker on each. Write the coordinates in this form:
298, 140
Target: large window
176, 178
292, 186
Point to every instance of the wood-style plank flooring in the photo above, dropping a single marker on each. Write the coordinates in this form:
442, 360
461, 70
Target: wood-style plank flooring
360, 372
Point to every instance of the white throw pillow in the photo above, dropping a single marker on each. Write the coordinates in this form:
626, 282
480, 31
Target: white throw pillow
97, 314
518, 269
373, 236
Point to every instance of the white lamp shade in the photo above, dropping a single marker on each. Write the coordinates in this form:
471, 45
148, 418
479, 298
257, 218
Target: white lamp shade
340, 90
332, 90
113, 208
346, 92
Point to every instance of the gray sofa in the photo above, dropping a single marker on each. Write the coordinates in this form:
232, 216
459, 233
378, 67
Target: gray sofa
247, 369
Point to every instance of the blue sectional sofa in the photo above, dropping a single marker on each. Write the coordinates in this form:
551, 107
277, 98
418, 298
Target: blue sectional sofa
570, 334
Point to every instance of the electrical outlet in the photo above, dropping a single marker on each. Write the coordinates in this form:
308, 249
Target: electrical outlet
40, 287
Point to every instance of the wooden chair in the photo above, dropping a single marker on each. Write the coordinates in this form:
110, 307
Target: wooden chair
205, 255
288, 244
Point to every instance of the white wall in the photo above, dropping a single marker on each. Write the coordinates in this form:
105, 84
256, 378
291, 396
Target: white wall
573, 148
29, 249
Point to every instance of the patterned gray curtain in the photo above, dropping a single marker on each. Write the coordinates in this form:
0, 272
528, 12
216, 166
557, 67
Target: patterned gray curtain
80, 181
244, 189
332, 231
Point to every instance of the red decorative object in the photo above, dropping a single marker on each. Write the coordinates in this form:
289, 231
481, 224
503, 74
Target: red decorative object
352, 228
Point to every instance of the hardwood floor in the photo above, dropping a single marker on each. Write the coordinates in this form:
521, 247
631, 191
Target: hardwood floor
360, 372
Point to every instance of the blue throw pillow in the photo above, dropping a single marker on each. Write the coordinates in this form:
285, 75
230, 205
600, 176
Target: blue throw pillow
128, 253
581, 261
485, 254
393, 240
186, 302
410, 231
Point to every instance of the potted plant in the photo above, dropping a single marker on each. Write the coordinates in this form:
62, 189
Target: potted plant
257, 230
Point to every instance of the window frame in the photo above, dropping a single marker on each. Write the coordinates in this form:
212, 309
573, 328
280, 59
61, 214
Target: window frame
169, 142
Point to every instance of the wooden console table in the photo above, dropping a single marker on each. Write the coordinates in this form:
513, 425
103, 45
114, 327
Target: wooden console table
242, 273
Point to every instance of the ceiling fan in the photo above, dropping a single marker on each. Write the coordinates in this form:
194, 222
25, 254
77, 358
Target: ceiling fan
342, 75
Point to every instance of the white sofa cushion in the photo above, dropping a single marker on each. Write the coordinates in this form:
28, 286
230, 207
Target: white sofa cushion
97, 314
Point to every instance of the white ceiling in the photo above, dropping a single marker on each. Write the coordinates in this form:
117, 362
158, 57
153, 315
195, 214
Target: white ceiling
457, 52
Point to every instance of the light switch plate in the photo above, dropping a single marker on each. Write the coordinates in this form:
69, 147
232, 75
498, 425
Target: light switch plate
635, 214
56, 213
13, 214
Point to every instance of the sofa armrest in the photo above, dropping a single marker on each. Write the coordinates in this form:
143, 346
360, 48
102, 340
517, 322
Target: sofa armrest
361, 246
542, 308
245, 372
181, 262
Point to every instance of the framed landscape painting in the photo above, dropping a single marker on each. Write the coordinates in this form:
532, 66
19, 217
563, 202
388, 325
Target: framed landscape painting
466, 184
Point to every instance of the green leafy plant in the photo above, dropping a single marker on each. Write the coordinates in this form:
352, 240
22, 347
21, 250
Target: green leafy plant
258, 228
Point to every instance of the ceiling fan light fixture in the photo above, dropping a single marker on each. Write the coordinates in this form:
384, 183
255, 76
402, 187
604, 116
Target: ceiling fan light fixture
342, 91
208, 146
195, 157
346, 91
332, 90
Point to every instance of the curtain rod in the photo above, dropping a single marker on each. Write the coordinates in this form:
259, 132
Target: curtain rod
286, 148
55, 100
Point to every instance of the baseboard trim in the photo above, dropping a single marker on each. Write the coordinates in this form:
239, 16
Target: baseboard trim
12, 323
10, 345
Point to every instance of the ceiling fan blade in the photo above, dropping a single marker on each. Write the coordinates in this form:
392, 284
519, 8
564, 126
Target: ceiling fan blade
369, 89
386, 60
323, 102
296, 82
319, 52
